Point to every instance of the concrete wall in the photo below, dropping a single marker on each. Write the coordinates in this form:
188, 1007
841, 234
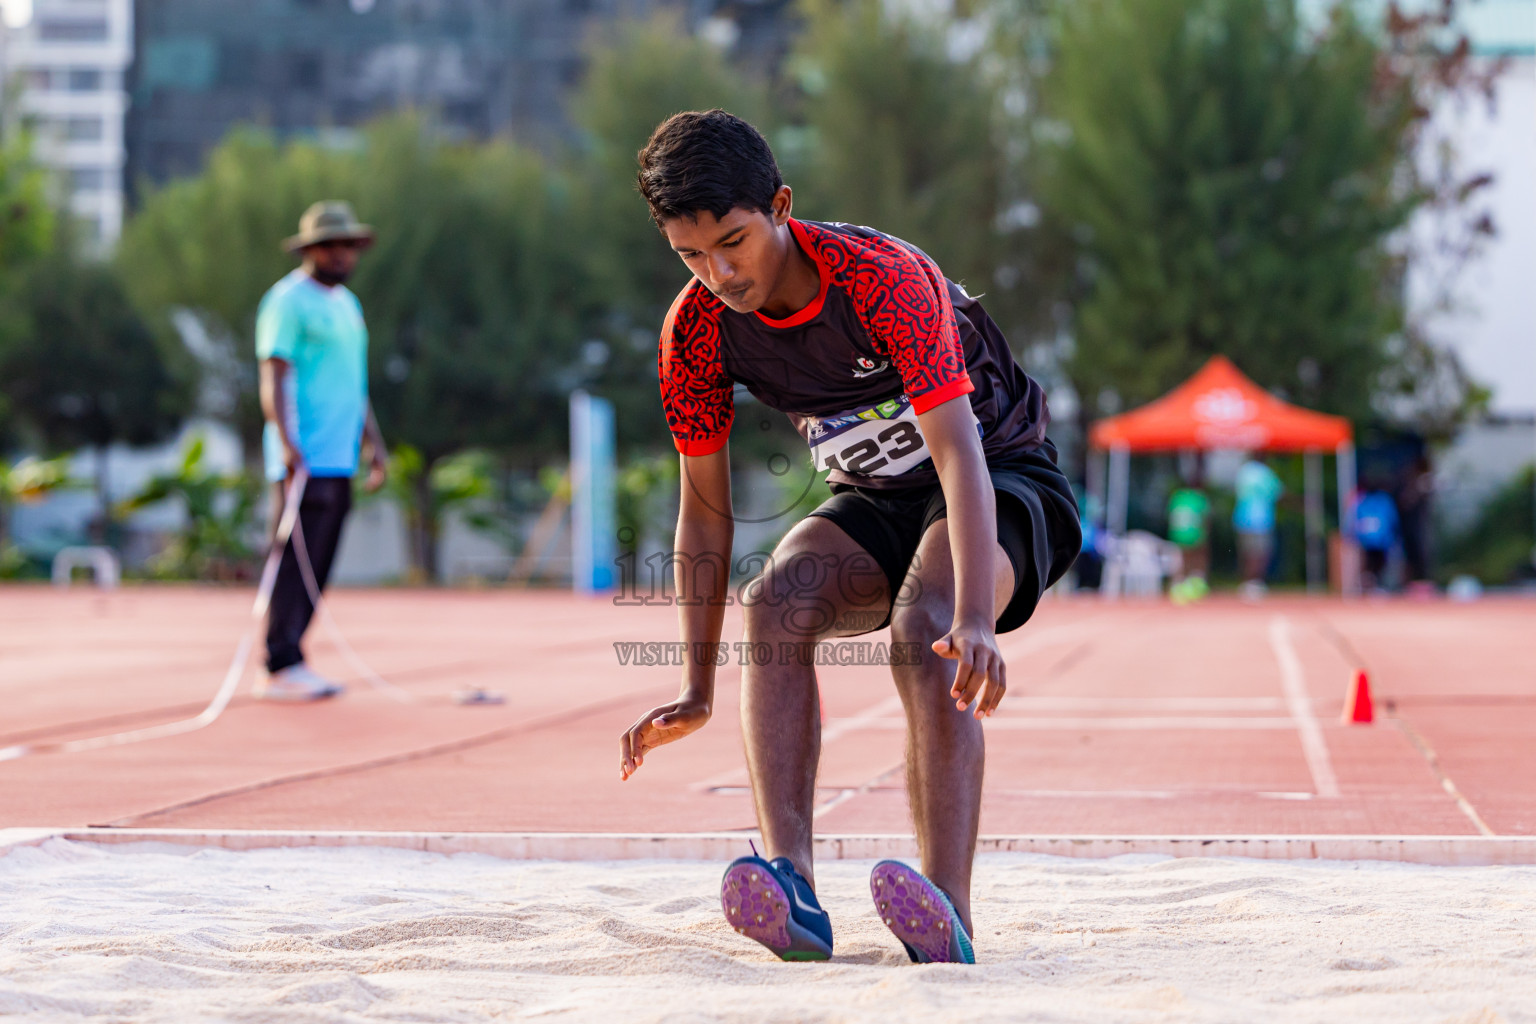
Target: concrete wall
1491, 328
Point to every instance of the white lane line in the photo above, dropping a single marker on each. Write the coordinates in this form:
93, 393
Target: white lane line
1093, 724
1041, 639
1294, 682
1086, 704
1445, 780
732, 778
837, 728
848, 794
1148, 794
833, 731
840, 727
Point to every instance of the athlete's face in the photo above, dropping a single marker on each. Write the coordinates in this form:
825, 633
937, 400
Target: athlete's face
741, 256
332, 263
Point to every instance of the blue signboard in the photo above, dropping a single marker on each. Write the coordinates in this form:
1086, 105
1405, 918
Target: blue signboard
593, 547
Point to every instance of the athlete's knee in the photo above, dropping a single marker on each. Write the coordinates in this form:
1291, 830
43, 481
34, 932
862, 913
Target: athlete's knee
791, 598
920, 623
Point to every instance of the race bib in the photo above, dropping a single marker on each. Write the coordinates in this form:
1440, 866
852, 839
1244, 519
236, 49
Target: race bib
882, 440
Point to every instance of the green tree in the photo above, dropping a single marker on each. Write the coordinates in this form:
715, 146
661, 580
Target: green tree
29, 480
473, 297
27, 228
208, 248
1427, 55
895, 128
1497, 547
221, 514
1232, 179
464, 483
87, 371
638, 75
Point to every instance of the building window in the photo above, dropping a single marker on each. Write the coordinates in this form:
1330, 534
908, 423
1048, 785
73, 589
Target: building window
304, 70
85, 80
39, 79
73, 30
238, 62
83, 129
87, 179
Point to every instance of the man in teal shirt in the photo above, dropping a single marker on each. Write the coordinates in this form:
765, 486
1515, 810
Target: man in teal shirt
313, 350
1257, 489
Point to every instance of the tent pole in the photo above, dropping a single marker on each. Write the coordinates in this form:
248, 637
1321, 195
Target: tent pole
1095, 474
1312, 488
1118, 502
1349, 560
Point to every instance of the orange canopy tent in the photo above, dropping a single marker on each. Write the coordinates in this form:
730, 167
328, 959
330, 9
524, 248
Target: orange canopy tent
1221, 408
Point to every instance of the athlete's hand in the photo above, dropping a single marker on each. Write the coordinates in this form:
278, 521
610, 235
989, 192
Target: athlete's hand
658, 727
293, 459
378, 472
980, 674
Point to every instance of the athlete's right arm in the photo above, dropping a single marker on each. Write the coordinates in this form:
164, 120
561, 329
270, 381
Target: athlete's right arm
279, 332
701, 567
274, 407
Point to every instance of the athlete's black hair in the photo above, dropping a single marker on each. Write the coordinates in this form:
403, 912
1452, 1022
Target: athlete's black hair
707, 160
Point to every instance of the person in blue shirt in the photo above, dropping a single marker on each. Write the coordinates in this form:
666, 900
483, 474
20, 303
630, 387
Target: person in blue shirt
312, 345
1257, 489
1376, 530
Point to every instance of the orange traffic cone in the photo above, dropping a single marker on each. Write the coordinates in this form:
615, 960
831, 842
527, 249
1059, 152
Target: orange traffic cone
1358, 708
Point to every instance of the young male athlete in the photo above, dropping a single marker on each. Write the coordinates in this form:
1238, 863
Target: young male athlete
948, 517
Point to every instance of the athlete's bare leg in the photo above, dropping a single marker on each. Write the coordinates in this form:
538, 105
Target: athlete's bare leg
945, 748
822, 575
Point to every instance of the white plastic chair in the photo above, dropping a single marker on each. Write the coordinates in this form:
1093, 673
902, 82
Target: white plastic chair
1136, 565
101, 561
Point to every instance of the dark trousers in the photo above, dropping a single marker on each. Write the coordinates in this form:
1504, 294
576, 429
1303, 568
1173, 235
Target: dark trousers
322, 511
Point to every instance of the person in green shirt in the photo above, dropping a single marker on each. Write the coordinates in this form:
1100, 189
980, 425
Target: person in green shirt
1189, 514
312, 346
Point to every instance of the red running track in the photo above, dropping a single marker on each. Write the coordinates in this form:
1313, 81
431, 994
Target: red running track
1129, 719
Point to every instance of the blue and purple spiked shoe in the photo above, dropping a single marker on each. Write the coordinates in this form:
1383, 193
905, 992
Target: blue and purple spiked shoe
772, 903
919, 914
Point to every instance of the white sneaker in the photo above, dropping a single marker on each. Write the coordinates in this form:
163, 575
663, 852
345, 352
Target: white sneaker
296, 683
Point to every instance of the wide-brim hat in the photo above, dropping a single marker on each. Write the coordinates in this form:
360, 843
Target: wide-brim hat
329, 220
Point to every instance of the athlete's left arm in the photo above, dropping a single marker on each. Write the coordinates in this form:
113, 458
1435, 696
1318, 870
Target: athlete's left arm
950, 431
378, 455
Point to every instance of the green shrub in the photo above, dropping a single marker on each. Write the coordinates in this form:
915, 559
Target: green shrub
1497, 547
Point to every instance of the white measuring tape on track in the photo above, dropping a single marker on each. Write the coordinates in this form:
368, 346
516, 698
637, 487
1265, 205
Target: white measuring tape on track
210, 714
471, 695
361, 667
288, 528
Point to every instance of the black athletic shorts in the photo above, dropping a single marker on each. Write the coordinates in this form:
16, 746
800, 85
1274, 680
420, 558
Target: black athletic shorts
1037, 525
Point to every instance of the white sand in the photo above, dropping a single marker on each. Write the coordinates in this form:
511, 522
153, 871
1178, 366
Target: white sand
157, 933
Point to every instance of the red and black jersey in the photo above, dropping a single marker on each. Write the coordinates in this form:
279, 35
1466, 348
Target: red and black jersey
887, 337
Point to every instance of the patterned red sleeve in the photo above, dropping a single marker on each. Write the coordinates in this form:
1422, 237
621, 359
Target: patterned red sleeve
903, 302
695, 392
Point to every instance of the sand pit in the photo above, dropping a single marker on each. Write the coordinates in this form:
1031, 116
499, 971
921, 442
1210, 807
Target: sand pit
150, 932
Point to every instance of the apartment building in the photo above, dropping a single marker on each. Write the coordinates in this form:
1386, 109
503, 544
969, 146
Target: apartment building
64, 69
321, 67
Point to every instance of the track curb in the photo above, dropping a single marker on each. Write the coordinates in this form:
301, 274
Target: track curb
1464, 851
